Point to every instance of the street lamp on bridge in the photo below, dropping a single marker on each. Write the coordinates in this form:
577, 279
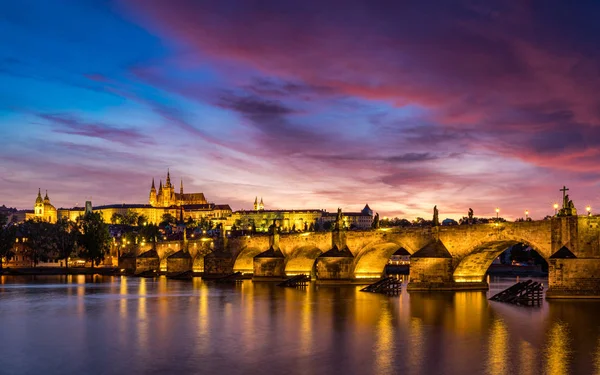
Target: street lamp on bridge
526, 214
589, 210
555, 208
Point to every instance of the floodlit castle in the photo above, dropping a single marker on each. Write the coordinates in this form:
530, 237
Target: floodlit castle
166, 196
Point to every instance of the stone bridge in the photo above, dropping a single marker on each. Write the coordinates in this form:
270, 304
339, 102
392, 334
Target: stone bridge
442, 258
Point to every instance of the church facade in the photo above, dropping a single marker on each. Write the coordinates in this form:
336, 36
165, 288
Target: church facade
43, 209
166, 196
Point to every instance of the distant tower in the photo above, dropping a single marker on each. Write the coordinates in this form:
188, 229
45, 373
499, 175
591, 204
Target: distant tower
88, 204
39, 205
46, 198
255, 204
261, 205
181, 193
160, 196
153, 198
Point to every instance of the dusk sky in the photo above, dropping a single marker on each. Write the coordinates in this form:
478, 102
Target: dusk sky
309, 104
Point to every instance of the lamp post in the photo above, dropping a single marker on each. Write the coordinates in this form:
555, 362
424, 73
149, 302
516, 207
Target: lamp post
497, 213
526, 215
555, 208
589, 210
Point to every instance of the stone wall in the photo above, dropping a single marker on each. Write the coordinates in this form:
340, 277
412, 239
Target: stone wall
269, 267
571, 278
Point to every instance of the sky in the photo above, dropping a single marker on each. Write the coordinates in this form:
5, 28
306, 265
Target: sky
308, 104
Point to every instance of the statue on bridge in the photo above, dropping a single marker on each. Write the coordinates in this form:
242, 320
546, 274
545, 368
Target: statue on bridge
470, 214
274, 228
339, 220
376, 221
568, 208
436, 217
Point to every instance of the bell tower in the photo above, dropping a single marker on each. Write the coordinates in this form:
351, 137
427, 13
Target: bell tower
153, 199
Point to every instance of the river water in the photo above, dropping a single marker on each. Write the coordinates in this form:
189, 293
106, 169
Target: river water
120, 325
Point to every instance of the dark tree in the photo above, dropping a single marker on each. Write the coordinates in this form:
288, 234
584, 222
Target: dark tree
117, 218
131, 218
142, 220
150, 233
8, 236
65, 236
41, 243
94, 238
167, 219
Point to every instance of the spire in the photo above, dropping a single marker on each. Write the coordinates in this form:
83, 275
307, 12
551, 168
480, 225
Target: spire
168, 183
153, 183
256, 204
261, 205
181, 188
46, 199
39, 197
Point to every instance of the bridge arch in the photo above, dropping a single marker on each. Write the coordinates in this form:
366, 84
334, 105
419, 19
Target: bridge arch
244, 262
372, 259
473, 267
302, 260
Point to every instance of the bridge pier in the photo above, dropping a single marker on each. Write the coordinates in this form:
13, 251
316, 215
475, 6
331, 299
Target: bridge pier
573, 278
270, 265
179, 262
337, 264
432, 269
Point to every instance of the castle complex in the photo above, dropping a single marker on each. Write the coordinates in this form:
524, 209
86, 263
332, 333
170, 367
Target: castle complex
194, 206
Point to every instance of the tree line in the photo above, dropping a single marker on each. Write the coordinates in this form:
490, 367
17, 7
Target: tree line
87, 237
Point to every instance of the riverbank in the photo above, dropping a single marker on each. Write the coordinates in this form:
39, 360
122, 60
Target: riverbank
33, 271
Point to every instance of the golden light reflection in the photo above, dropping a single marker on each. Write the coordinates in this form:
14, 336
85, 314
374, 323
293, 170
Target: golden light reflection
142, 315
416, 346
469, 312
528, 359
203, 320
80, 294
385, 344
498, 348
557, 351
123, 301
306, 329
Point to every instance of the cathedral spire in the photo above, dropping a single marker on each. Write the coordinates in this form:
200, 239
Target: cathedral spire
256, 204
168, 183
181, 188
46, 199
153, 183
39, 197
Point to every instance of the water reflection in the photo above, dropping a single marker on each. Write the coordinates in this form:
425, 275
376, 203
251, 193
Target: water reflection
558, 349
498, 348
116, 325
384, 345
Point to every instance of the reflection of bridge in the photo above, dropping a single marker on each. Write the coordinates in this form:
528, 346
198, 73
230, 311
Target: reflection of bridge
443, 258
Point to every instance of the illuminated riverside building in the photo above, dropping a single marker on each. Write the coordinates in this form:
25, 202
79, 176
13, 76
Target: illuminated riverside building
295, 220
43, 209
